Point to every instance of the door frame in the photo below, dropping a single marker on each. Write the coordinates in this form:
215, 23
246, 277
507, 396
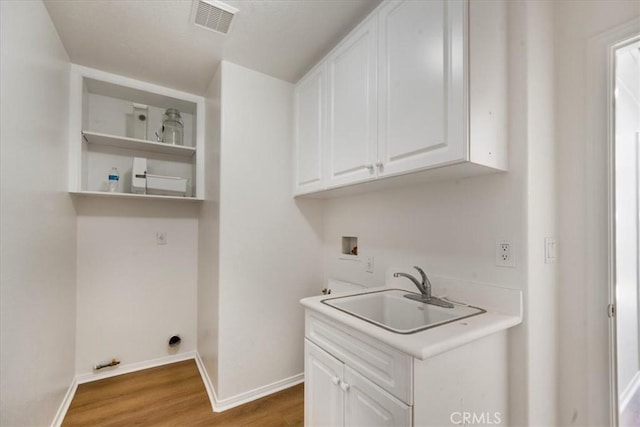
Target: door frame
600, 212
613, 328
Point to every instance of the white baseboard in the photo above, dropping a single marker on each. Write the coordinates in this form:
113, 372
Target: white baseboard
630, 391
211, 392
64, 406
219, 405
257, 393
133, 367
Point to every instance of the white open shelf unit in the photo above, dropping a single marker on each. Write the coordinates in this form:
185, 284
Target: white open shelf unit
100, 134
106, 194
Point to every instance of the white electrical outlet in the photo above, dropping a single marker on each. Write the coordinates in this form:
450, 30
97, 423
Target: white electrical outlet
504, 253
161, 237
370, 264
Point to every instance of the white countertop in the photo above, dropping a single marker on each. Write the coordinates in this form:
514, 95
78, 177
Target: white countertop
499, 316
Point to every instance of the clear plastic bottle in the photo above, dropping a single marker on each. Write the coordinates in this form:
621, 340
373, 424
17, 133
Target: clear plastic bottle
114, 178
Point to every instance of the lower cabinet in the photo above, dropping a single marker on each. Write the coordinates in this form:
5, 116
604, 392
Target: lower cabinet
337, 395
366, 404
323, 397
354, 380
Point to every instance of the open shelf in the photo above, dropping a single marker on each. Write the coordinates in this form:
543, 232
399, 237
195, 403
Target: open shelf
131, 196
137, 144
102, 111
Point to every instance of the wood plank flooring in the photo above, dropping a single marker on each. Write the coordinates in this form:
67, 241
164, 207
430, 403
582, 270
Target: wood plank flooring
174, 395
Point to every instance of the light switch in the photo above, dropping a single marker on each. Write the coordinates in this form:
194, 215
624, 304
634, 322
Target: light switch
550, 250
370, 261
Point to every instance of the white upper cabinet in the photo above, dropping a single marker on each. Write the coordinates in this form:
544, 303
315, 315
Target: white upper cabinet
352, 148
417, 86
421, 83
310, 99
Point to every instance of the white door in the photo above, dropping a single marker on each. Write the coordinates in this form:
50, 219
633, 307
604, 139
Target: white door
367, 405
310, 110
323, 397
352, 146
422, 113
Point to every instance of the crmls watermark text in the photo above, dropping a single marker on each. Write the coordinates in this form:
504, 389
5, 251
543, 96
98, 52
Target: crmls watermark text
475, 418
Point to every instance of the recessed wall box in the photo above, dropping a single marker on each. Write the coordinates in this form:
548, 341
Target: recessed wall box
139, 176
350, 245
166, 185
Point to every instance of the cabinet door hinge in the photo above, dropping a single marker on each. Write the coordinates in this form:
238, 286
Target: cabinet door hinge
611, 310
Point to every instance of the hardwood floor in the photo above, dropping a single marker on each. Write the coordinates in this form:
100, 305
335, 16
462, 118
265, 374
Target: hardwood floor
174, 395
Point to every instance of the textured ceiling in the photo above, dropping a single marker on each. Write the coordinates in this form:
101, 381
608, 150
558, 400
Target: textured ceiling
153, 40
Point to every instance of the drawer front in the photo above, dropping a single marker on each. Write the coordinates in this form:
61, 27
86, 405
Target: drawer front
388, 368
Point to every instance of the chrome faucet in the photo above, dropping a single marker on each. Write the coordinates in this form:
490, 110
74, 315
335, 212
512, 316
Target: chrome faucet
424, 288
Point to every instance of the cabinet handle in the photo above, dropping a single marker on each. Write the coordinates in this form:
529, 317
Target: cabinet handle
369, 166
379, 164
335, 380
344, 386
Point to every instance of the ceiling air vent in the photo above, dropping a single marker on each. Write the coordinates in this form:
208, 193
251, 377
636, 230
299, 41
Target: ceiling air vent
213, 15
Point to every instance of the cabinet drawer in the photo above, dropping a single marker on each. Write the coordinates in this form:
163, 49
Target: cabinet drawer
385, 366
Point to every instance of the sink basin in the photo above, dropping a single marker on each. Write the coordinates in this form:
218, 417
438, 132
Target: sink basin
389, 309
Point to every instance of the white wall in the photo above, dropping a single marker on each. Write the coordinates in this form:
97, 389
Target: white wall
627, 175
449, 228
583, 375
540, 302
270, 244
133, 294
37, 219
518, 133
209, 235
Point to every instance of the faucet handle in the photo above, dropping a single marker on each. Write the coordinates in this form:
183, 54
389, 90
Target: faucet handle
422, 274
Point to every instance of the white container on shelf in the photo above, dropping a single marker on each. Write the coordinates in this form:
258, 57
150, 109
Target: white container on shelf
139, 176
140, 121
166, 185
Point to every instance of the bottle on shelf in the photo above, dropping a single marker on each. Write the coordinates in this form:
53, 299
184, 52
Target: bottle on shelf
114, 178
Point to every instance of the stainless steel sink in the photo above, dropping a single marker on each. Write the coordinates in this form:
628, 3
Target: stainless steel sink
389, 309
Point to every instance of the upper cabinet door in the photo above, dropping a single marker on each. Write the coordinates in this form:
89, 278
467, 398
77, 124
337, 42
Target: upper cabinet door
352, 148
422, 117
310, 123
